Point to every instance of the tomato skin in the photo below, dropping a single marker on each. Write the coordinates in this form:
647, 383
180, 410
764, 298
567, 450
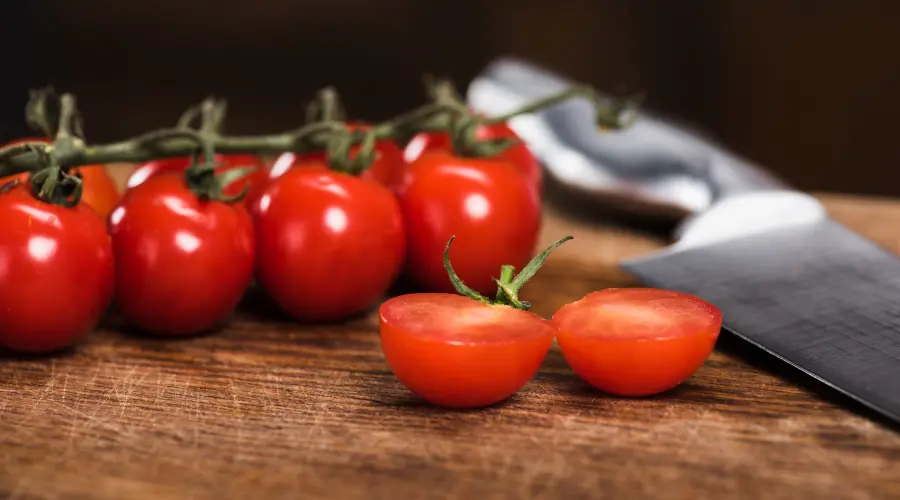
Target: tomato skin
637, 341
493, 353
489, 207
518, 155
56, 272
387, 169
329, 245
99, 191
256, 180
182, 264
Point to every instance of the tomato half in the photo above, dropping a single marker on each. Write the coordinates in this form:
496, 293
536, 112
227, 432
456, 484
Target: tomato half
182, 264
329, 245
387, 169
518, 155
637, 341
457, 352
56, 272
257, 180
490, 208
99, 190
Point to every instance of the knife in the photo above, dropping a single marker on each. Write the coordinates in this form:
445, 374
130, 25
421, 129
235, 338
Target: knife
788, 279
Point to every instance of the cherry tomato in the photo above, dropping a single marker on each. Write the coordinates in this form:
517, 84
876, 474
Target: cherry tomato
478, 200
457, 352
99, 190
637, 341
518, 155
329, 245
182, 264
56, 272
387, 169
257, 180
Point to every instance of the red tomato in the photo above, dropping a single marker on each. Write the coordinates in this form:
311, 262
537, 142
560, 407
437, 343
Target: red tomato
329, 245
99, 191
257, 180
478, 200
182, 264
637, 341
56, 272
456, 352
387, 169
519, 155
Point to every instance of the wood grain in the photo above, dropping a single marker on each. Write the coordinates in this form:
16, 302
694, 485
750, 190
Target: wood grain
267, 408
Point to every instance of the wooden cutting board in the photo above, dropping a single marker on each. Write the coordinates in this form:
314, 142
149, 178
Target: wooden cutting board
270, 409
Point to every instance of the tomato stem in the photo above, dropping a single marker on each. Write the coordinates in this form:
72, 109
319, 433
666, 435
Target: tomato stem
508, 287
507, 273
326, 107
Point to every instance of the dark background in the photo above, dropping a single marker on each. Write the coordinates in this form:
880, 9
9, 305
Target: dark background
809, 88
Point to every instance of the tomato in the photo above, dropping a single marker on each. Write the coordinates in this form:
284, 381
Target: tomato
182, 264
518, 155
478, 200
257, 180
56, 272
637, 341
387, 169
457, 352
99, 190
329, 245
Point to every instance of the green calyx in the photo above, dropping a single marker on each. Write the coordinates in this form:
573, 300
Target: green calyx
50, 183
56, 186
509, 284
203, 181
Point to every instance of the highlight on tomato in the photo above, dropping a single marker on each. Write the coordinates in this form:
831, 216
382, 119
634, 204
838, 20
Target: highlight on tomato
56, 265
99, 190
329, 244
476, 199
464, 350
254, 183
184, 251
637, 341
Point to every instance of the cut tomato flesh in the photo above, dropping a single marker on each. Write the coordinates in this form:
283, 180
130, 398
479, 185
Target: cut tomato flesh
638, 313
460, 353
637, 341
461, 320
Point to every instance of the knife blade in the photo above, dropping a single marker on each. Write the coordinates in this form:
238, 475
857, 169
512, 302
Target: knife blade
788, 279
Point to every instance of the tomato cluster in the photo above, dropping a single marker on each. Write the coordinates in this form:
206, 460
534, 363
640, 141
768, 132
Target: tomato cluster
326, 233
467, 351
322, 243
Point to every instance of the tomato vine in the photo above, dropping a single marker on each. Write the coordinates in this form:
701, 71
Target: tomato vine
57, 117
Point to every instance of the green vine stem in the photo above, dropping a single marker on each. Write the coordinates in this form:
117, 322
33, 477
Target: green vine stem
326, 107
509, 284
446, 112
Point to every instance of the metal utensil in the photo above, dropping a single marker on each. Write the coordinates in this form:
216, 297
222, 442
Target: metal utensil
787, 278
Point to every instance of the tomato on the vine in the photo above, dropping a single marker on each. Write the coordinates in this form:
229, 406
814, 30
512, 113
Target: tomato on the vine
477, 199
182, 263
329, 244
256, 181
637, 341
99, 191
518, 154
56, 271
387, 169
